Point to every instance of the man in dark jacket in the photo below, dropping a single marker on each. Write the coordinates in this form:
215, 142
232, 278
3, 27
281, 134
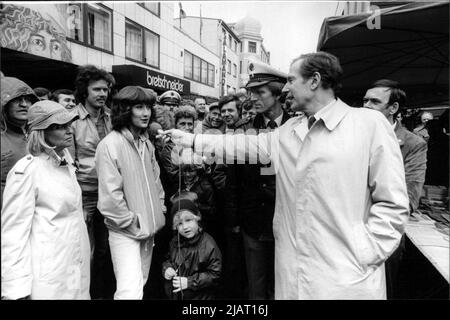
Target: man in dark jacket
386, 97
16, 98
252, 198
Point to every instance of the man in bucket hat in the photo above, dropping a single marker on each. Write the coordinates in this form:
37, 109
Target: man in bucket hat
16, 98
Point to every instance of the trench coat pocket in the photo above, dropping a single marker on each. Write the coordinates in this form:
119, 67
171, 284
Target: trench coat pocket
365, 247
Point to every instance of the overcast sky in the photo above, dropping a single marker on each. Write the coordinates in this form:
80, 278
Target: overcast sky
289, 28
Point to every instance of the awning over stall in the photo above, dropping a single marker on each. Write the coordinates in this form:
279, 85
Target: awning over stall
408, 43
38, 71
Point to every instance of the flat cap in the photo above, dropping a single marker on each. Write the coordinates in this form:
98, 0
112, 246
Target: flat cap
261, 74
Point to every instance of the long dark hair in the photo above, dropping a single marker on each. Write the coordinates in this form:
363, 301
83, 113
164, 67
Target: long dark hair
125, 99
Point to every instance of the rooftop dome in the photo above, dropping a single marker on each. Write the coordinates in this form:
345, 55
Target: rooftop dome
248, 25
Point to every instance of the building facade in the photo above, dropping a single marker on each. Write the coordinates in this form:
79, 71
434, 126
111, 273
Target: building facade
138, 42
235, 43
218, 37
252, 47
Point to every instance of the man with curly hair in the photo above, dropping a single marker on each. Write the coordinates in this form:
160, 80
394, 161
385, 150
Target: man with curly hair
93, 86
26, 30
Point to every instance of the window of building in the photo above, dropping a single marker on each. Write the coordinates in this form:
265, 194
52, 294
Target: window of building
241, 47
196, 69
240, 66
229, 66
141, 44
229, 41
133, 42
188, 65
90, 24
228, 88
153, 7
204, 72
99, 26
235, 46
75, 22
252, 47
151, 42
234, 70
210, 75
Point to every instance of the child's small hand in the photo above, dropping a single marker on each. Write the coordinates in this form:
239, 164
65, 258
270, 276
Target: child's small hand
179, 283
170, 273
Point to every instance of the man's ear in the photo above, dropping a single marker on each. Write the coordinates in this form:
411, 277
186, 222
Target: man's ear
316, 79
393, 108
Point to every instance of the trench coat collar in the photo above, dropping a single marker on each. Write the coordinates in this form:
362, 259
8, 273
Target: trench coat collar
332, 114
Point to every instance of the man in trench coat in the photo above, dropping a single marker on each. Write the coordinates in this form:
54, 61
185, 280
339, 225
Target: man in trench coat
341, 198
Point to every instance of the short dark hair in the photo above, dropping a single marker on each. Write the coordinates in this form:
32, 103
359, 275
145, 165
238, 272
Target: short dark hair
247, 104
184, 112
229, 98
125, 99
86, 74
40, 91
56, 93
326, 64
396, 94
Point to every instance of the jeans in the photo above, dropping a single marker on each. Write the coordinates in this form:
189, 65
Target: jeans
102, 273
131, 260
259, 258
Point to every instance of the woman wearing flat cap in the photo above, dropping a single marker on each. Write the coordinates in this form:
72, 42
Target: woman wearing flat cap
45, 244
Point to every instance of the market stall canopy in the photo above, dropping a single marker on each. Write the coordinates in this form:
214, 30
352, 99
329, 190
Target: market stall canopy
410, 46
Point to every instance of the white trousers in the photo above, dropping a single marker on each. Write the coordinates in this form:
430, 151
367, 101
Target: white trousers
131, 261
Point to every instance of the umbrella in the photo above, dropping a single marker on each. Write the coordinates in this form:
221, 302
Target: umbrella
410, 46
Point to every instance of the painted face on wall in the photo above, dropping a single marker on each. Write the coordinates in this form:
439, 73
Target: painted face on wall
44, 44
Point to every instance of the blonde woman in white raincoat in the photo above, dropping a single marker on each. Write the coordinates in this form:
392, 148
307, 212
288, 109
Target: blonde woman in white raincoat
44, 240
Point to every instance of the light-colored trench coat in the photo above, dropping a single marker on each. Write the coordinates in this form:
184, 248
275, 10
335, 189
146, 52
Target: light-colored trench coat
44, 239
341, 200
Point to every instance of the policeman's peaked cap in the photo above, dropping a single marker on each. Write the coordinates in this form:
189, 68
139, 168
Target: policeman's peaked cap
261, 74
170, 97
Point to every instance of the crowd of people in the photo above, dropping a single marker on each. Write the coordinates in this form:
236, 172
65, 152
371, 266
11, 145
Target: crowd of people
280, 191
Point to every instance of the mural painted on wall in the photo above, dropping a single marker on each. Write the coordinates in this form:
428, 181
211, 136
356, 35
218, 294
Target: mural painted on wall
36, 29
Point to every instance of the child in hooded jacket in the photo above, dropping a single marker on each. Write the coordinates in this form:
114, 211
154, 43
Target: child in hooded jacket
194, 263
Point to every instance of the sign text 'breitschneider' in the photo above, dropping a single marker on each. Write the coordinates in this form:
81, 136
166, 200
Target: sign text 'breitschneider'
163, 83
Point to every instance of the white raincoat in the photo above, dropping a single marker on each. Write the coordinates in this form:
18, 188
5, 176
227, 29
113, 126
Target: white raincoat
341, 200
44, 240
